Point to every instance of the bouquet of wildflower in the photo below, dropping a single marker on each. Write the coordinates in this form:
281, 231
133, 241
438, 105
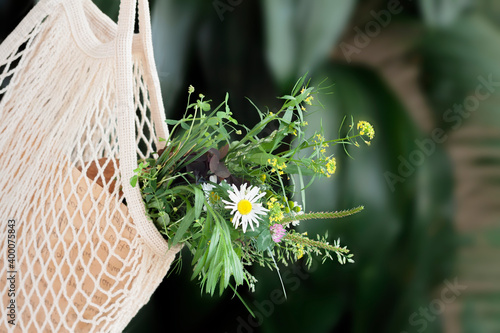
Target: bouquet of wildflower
224, 190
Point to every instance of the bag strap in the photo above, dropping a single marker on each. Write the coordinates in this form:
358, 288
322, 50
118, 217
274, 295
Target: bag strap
126, 112
126, 25
151, 73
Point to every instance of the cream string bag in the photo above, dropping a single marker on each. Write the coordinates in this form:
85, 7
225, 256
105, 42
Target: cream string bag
79, 103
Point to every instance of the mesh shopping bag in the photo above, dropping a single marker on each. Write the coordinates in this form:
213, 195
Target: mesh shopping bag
79, 104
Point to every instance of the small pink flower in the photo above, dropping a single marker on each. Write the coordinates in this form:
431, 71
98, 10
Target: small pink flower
277, 232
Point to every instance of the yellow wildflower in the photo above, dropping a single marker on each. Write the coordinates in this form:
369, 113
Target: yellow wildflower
275, 210
213, 198
365, 128
300, 251
308, 100
275, 166
331, 166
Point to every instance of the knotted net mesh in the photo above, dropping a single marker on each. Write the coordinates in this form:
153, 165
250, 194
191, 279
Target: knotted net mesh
77, 262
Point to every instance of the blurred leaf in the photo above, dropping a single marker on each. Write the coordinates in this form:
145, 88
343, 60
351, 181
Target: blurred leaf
173, 22
300, 34
489, 9
458, 59
109, 7
443, 12
463, 81
392, 275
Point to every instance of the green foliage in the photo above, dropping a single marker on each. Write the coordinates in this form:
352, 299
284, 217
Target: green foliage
299, 34
194, 186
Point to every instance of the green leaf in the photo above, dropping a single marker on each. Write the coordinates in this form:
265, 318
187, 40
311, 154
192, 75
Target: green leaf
213, 276
288, 115
276, 140
202, 243
172, 23
212, 121
300, 34
163, 219
204, 106
257, 231
210, 252
156, 204
183, 227
293, 169
133, 180
171, 122
443, 12
264, 241
199, 201
148, 190
261, 158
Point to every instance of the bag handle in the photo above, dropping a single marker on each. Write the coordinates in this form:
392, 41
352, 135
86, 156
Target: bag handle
126, 18
126, 26
151, 73
126, 112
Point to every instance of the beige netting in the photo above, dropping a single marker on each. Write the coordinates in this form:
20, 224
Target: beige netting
78, 106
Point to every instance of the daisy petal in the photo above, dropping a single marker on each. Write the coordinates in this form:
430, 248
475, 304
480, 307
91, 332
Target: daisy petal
244, 206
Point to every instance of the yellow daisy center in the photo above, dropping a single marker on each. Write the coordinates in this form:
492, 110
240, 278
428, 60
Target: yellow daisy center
244, 207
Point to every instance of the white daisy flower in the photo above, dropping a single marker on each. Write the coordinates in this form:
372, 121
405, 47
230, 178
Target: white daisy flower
208, 187
244, 206
211, 197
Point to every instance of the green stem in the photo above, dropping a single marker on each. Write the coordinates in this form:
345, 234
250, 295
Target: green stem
321, 215
254, 131
296, 238
347, 139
